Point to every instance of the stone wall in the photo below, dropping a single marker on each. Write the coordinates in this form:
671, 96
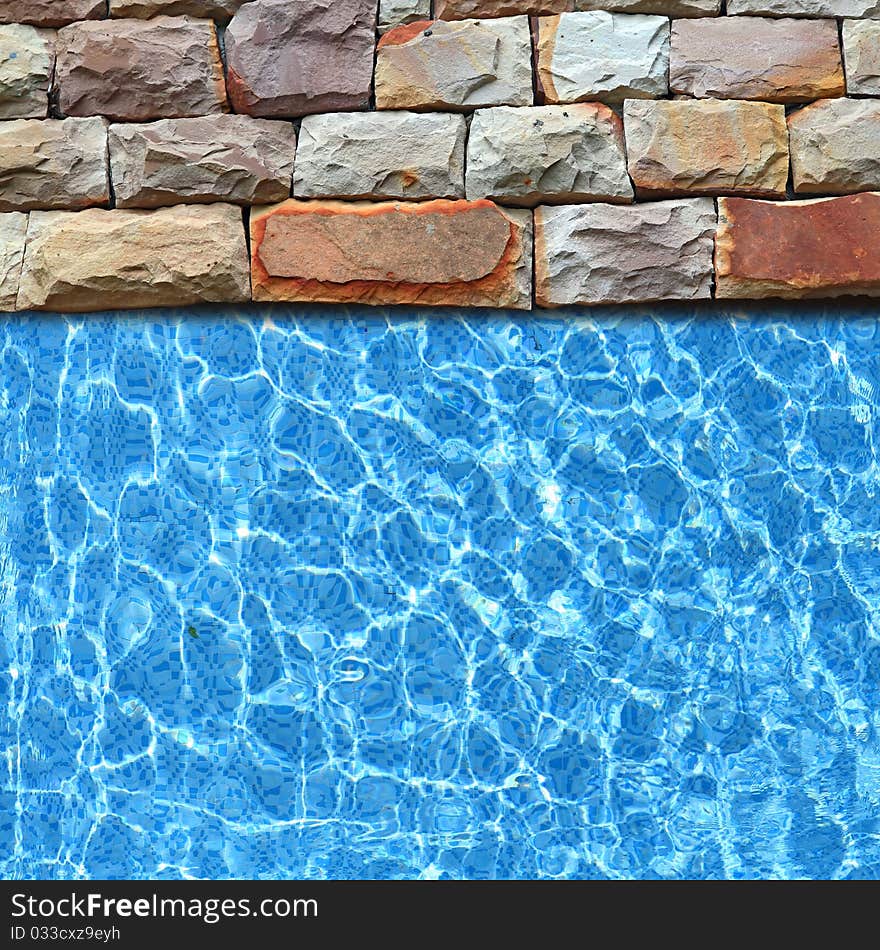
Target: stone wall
506, 153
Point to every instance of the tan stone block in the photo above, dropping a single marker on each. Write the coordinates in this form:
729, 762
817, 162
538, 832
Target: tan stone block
861, 50
835, 146
706, 147
462, 9
27, 61
815, 9
13, 228
547, 155
600, 55
108, 260
379, 156
457, 66
232, 158
53, 164
598, 253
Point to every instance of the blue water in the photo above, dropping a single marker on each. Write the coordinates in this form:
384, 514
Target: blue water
338, 594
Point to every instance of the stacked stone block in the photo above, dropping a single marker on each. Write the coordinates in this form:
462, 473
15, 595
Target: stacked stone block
462, 65
491, 153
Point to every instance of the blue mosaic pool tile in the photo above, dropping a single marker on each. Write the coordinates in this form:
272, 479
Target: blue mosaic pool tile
348, 594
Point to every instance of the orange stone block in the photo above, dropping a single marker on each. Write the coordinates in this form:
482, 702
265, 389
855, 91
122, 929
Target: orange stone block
820, 248
436, 253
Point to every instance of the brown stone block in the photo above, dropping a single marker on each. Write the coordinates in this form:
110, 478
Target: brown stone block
746, 57
821, 248
220, 10
135, 70
50, 12
463, 9
467, 9
436, 253
291, 59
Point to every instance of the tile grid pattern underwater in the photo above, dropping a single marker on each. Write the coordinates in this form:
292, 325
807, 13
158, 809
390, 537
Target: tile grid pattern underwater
347, 594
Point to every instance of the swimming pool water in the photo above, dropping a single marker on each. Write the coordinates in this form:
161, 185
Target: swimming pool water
295, 593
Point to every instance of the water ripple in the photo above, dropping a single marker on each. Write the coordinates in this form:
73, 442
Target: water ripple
349, 594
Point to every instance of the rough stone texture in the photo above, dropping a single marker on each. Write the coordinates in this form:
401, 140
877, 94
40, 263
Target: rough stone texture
671, 8
460, 65
444, 253
821, 248
216, 158
50, 12
599, 253
806, 8
291, 59
470, 9
381, 155
134, 70
27, 60
756, 58
861, 50
548, 154
13, 228
53, 163
835, 147
109, 260
461, 9
220, 10
602, 55
706, 147
394, 13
